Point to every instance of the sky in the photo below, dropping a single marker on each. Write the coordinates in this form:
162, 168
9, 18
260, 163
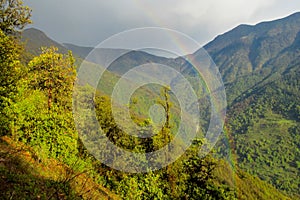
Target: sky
89, 22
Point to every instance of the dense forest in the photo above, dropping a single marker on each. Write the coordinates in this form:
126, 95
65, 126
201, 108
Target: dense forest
42, 155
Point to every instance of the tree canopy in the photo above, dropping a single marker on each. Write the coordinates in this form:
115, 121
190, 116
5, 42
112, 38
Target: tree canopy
14, 16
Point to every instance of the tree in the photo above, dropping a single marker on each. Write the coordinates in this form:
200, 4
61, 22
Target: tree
43, 110
54, 73
14, 16
164, 136
10, 68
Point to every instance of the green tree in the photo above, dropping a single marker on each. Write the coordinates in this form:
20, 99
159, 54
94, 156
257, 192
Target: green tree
199, 183
42, 114
14, 16
54, 73
164, 136
11, 69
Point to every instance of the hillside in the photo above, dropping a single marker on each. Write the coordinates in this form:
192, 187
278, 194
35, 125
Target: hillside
250, 49
24, 177
80, 51
35, 39
260, 68
265, 125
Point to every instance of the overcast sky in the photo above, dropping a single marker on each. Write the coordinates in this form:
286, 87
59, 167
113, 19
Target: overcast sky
88, 22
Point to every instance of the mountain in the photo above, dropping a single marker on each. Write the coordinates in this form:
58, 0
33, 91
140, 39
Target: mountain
78, 50
250, 49
260, 68
252, 53
34, 39
121, 60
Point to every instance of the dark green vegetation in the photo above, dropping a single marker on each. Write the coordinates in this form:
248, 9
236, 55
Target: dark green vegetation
42, 157
261, 67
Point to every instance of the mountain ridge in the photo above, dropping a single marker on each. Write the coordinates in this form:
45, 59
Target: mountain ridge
260, 66
247, 49
34, 39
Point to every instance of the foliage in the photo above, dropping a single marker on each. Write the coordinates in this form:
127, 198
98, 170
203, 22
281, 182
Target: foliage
189, 177
14, 16
54, 74
263, 123
25, 177
10, 67
260, 67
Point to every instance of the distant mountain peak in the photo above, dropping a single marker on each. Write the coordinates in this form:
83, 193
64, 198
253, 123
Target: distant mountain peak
250, 48
33, 30
35, 39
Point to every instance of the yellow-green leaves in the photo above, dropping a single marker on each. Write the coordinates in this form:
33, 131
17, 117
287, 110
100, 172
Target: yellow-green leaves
10, 69
53, 73
14, 16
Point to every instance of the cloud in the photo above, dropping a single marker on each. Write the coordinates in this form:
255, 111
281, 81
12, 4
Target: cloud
90, 22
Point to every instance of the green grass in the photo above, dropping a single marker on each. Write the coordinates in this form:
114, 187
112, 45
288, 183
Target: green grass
22, 176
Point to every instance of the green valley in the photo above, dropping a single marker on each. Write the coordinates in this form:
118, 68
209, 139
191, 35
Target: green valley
46, 154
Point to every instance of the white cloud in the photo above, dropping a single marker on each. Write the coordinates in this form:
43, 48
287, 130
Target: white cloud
89, 22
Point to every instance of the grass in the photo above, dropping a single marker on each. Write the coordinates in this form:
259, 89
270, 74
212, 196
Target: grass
22, 176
